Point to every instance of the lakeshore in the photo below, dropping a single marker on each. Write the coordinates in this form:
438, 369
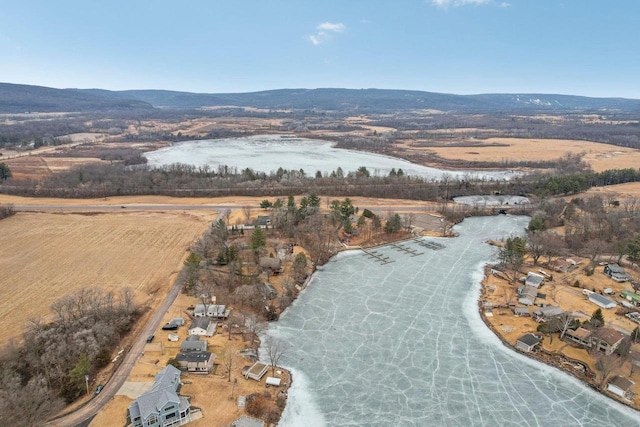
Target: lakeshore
497, 308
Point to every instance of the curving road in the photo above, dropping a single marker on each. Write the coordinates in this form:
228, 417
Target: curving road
85, 413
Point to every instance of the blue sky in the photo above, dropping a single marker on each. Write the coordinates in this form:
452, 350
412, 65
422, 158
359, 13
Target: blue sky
580, 47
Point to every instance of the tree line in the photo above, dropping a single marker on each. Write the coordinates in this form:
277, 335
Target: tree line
47, 367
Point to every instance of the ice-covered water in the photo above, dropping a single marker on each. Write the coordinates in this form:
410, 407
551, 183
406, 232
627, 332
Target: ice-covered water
267, 153
402, 344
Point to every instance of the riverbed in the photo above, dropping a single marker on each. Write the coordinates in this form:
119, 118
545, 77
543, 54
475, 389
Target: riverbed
401, 343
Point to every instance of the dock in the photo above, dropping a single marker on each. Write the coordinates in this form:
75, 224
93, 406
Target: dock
405, 249
377, 256
430, 244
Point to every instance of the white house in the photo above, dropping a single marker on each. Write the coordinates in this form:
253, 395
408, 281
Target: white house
620, 386
602, 301
203, 326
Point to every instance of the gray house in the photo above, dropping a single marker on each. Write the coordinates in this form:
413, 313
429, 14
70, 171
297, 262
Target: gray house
193, 343
527, 342
161, 406
200, 362
616, 272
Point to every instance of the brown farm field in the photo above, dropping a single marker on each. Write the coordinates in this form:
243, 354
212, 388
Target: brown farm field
599, 156
47, 255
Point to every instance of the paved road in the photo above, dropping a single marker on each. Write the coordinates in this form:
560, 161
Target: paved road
163, 207
85, 413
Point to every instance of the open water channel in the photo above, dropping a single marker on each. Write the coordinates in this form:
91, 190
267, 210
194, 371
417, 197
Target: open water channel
402, 344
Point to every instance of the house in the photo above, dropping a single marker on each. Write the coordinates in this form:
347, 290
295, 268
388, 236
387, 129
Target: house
534, 280
602, 301
580, 336
267, 291
247, 421
630, 296
527, 342
616, 272
543, 314
606, 340
177, 321
218, 311
161, 406
527, 295
256, 371
200, 310
521, 312
196, 362
273, 264
203, 326
262, 221
193, 343
621, 386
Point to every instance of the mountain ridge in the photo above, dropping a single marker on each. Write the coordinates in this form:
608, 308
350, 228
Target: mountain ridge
23, 98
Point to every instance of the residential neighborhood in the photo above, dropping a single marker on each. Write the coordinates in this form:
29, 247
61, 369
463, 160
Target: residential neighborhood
569, 316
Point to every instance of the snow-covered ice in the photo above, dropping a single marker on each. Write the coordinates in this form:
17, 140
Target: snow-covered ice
267, 153
402, 344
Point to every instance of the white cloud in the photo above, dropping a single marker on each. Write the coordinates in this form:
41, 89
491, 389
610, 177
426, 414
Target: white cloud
505, 4
456, 3
328, 26
325, 32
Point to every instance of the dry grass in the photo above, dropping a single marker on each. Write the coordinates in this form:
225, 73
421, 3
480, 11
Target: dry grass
599, 156
561, 293
45, 256
213, 393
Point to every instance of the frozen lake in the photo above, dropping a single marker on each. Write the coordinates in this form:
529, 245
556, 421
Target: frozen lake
402, 344
267, 153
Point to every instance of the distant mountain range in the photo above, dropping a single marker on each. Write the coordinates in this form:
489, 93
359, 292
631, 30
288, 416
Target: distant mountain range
21, 98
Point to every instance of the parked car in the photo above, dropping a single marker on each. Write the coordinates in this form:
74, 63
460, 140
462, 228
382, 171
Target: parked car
170, 327
150, 338
99, 389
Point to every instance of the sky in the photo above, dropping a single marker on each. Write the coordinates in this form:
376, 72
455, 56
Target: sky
576, 47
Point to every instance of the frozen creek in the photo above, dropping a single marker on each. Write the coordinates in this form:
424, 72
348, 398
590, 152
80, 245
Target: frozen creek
402, 344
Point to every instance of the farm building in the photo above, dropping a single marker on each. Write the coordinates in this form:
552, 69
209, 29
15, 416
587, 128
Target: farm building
521, 312
602, 301
616, 272
527, 342
200, 310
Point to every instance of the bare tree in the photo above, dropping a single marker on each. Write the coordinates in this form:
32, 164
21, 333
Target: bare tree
254, 326
276, 349
563, 321
605, 365
246, 210
228, 356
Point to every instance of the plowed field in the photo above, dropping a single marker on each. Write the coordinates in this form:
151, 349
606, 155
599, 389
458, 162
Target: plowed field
44, 256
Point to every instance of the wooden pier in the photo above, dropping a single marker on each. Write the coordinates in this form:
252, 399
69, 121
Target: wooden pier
430, 245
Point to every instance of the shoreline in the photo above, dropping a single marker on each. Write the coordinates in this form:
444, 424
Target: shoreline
553, 359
